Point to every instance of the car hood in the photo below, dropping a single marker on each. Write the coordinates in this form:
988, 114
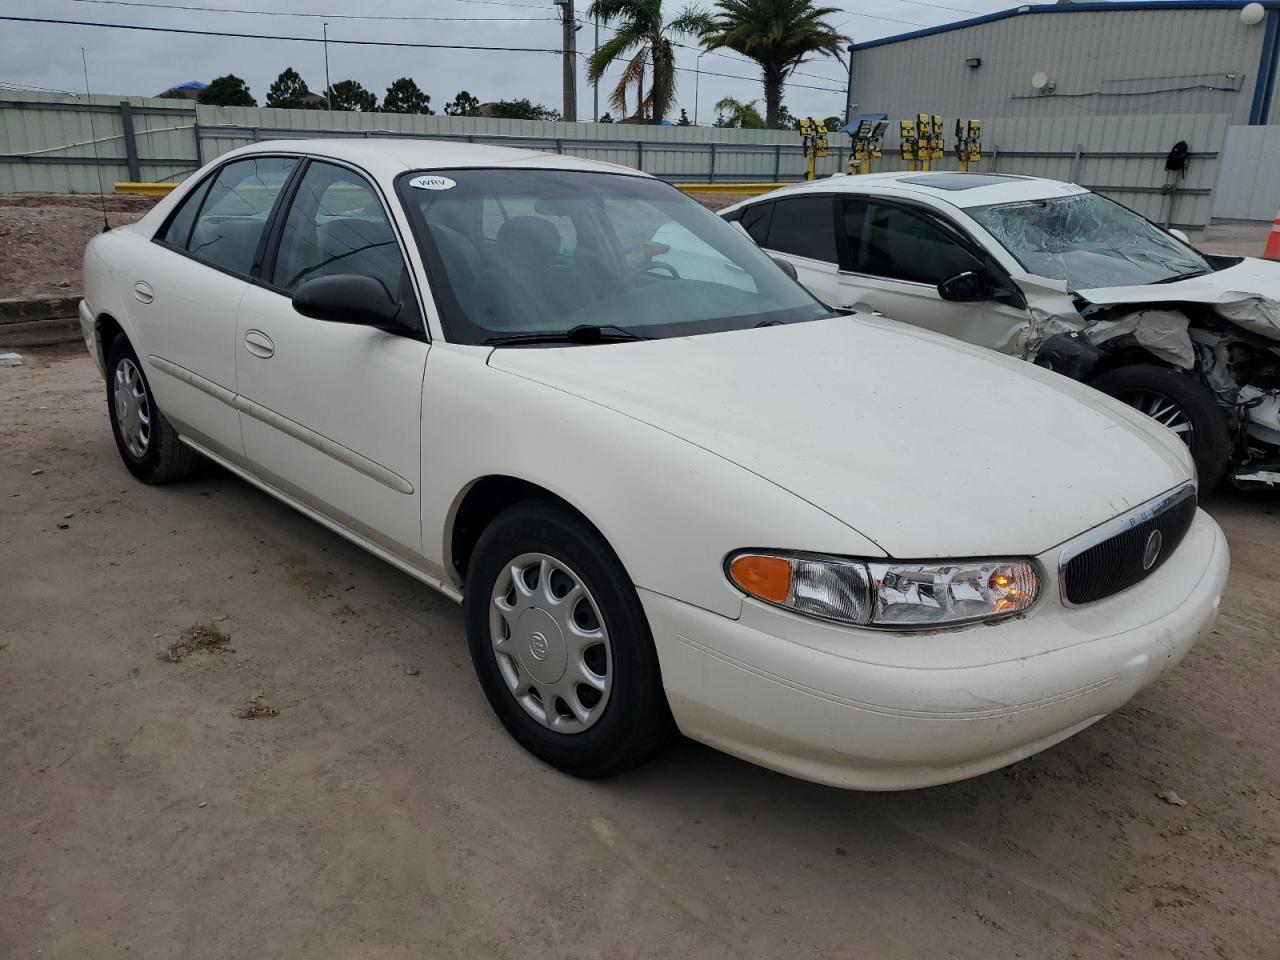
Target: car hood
1247, 294
929, 447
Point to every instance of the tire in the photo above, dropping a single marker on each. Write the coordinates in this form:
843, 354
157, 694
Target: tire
1182, 403
148, 444
520, 638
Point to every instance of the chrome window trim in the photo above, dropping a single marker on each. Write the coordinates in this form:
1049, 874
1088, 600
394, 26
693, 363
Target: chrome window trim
1114, 527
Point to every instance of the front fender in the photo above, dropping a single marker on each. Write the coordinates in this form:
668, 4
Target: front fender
671, 510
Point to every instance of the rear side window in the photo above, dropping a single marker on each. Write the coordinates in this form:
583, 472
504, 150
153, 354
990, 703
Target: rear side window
336, 225
888, 241
234, 213
804, 226
178, 231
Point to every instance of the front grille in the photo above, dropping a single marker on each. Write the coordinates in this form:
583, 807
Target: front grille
1119, 554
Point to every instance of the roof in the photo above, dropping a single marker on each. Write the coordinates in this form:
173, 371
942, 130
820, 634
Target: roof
1067, 8
389, 156
987, 188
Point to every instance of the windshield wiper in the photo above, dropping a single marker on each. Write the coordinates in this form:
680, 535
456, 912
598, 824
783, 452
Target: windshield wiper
1189, 275
582, 333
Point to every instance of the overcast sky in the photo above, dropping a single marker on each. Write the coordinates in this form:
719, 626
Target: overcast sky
129, 62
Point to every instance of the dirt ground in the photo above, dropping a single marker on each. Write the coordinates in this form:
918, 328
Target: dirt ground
224, 731
43, 235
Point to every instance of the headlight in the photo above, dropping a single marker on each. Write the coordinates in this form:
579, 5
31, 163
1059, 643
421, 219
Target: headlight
877, 593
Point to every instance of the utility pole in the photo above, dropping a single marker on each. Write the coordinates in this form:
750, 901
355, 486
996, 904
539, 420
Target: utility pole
328, 103
697, 82
570, 55
595, 87
848, 97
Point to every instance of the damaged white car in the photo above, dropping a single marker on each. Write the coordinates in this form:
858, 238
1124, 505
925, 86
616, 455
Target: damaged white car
1053, 273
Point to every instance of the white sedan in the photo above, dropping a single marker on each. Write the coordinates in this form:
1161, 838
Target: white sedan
836, 546
1050, 272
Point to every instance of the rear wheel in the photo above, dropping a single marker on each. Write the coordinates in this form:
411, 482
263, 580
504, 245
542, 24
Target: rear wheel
561, 645
148, 443
1182, 404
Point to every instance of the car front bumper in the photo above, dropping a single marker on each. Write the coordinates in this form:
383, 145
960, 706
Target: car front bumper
872, 710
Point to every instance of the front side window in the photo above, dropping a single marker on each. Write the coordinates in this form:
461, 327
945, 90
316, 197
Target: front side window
516, 252
336, 225
234, 214
1088, 241
803, 226
889, 241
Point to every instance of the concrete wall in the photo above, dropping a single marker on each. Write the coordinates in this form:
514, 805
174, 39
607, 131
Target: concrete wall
1249, 182
1119, 62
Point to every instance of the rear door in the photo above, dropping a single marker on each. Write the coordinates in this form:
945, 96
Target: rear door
331, 412
802, 229
186, 295
893, 258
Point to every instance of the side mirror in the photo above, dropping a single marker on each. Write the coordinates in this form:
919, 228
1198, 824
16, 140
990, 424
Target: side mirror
1179, 235
788, 268
967, 287
347, 298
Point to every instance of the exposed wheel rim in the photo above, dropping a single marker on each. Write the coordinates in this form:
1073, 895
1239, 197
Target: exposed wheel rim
133, 408
550, 643
1162, 409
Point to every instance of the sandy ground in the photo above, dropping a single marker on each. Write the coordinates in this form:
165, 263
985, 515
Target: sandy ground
42, 238
159, 809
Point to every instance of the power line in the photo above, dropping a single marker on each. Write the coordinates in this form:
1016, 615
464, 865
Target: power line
319, 16
737, 58
269, 36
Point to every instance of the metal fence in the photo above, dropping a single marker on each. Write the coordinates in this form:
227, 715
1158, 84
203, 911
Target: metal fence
60, 143
1249, 183
1121, 157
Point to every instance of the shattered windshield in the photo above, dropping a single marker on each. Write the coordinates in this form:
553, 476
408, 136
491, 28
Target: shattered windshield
1088, 241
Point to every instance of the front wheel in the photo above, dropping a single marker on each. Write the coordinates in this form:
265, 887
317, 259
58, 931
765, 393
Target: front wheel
561, 644
1182, 404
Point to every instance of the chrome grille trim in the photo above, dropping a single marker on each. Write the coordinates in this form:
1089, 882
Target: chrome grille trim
1116, 527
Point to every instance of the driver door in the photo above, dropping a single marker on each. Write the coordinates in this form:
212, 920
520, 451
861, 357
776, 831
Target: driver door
892, 261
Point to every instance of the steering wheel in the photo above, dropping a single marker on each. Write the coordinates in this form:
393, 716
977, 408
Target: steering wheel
657, 265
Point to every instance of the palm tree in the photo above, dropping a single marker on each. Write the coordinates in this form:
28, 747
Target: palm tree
777, 34
643, 39
735, 113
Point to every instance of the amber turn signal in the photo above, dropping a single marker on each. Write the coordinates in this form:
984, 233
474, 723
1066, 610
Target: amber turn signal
768, 578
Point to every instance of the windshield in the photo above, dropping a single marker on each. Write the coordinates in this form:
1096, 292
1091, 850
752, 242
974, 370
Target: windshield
518, 253
1088, 241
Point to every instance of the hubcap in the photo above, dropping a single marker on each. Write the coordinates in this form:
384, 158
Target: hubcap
133, 407
550, 643
1162, 410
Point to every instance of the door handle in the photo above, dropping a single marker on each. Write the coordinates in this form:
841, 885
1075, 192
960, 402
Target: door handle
259, 344
144, 291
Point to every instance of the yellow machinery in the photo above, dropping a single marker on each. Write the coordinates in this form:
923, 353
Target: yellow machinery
867, 137
922, 141
968, 142
813, 134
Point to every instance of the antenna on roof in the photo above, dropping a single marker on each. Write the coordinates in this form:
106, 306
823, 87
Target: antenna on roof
97, 162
